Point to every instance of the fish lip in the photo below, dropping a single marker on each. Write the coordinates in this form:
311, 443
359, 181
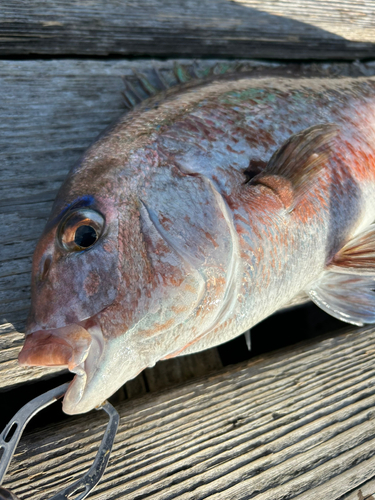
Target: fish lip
78, 346
85, 371
65, 346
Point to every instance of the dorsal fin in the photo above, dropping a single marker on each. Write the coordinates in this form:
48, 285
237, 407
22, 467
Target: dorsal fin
140, 86
182, 73
293, 167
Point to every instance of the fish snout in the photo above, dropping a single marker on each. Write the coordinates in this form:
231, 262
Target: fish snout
79, 347
66, 346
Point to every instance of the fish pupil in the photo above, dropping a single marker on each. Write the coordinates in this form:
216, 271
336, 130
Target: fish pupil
85, 236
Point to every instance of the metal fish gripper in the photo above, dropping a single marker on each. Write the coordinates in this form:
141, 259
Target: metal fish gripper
12, 433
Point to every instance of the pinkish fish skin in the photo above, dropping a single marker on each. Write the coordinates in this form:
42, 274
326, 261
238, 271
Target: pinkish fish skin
192, 255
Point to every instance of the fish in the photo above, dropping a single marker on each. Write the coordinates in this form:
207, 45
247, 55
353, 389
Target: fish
203, 210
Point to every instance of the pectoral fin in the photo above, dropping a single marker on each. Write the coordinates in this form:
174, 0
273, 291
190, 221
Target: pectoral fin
291, 171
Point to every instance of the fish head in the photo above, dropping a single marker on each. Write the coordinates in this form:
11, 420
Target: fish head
75, 276
68, 286
117, 278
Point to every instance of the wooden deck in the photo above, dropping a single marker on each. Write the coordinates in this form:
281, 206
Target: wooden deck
273, 29
293, 424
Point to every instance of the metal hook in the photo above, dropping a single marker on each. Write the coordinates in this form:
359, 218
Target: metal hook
94, 474
12, 433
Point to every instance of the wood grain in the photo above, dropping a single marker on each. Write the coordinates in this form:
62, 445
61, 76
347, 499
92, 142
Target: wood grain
275, 29
365, 492
51, 111
296, 424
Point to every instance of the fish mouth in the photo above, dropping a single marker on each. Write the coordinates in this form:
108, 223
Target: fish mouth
78, 346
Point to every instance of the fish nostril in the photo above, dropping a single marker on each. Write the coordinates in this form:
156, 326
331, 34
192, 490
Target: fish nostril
46, 267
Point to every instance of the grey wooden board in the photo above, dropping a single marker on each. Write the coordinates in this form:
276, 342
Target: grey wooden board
50, 112
276, 29
295, 424
364, 492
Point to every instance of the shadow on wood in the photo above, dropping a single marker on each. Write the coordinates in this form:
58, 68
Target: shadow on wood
196, 28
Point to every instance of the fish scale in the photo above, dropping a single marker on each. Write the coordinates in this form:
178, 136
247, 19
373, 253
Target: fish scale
209, 207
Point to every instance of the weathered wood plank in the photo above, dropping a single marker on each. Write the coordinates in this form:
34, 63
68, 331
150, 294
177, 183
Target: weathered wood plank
298, 423
276, 29
50, 112
364, 492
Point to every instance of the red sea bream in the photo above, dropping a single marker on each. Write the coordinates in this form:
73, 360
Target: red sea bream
200, 213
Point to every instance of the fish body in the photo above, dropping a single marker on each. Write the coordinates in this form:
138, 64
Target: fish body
205, 211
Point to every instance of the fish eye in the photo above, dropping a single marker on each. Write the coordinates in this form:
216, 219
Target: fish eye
80, 229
